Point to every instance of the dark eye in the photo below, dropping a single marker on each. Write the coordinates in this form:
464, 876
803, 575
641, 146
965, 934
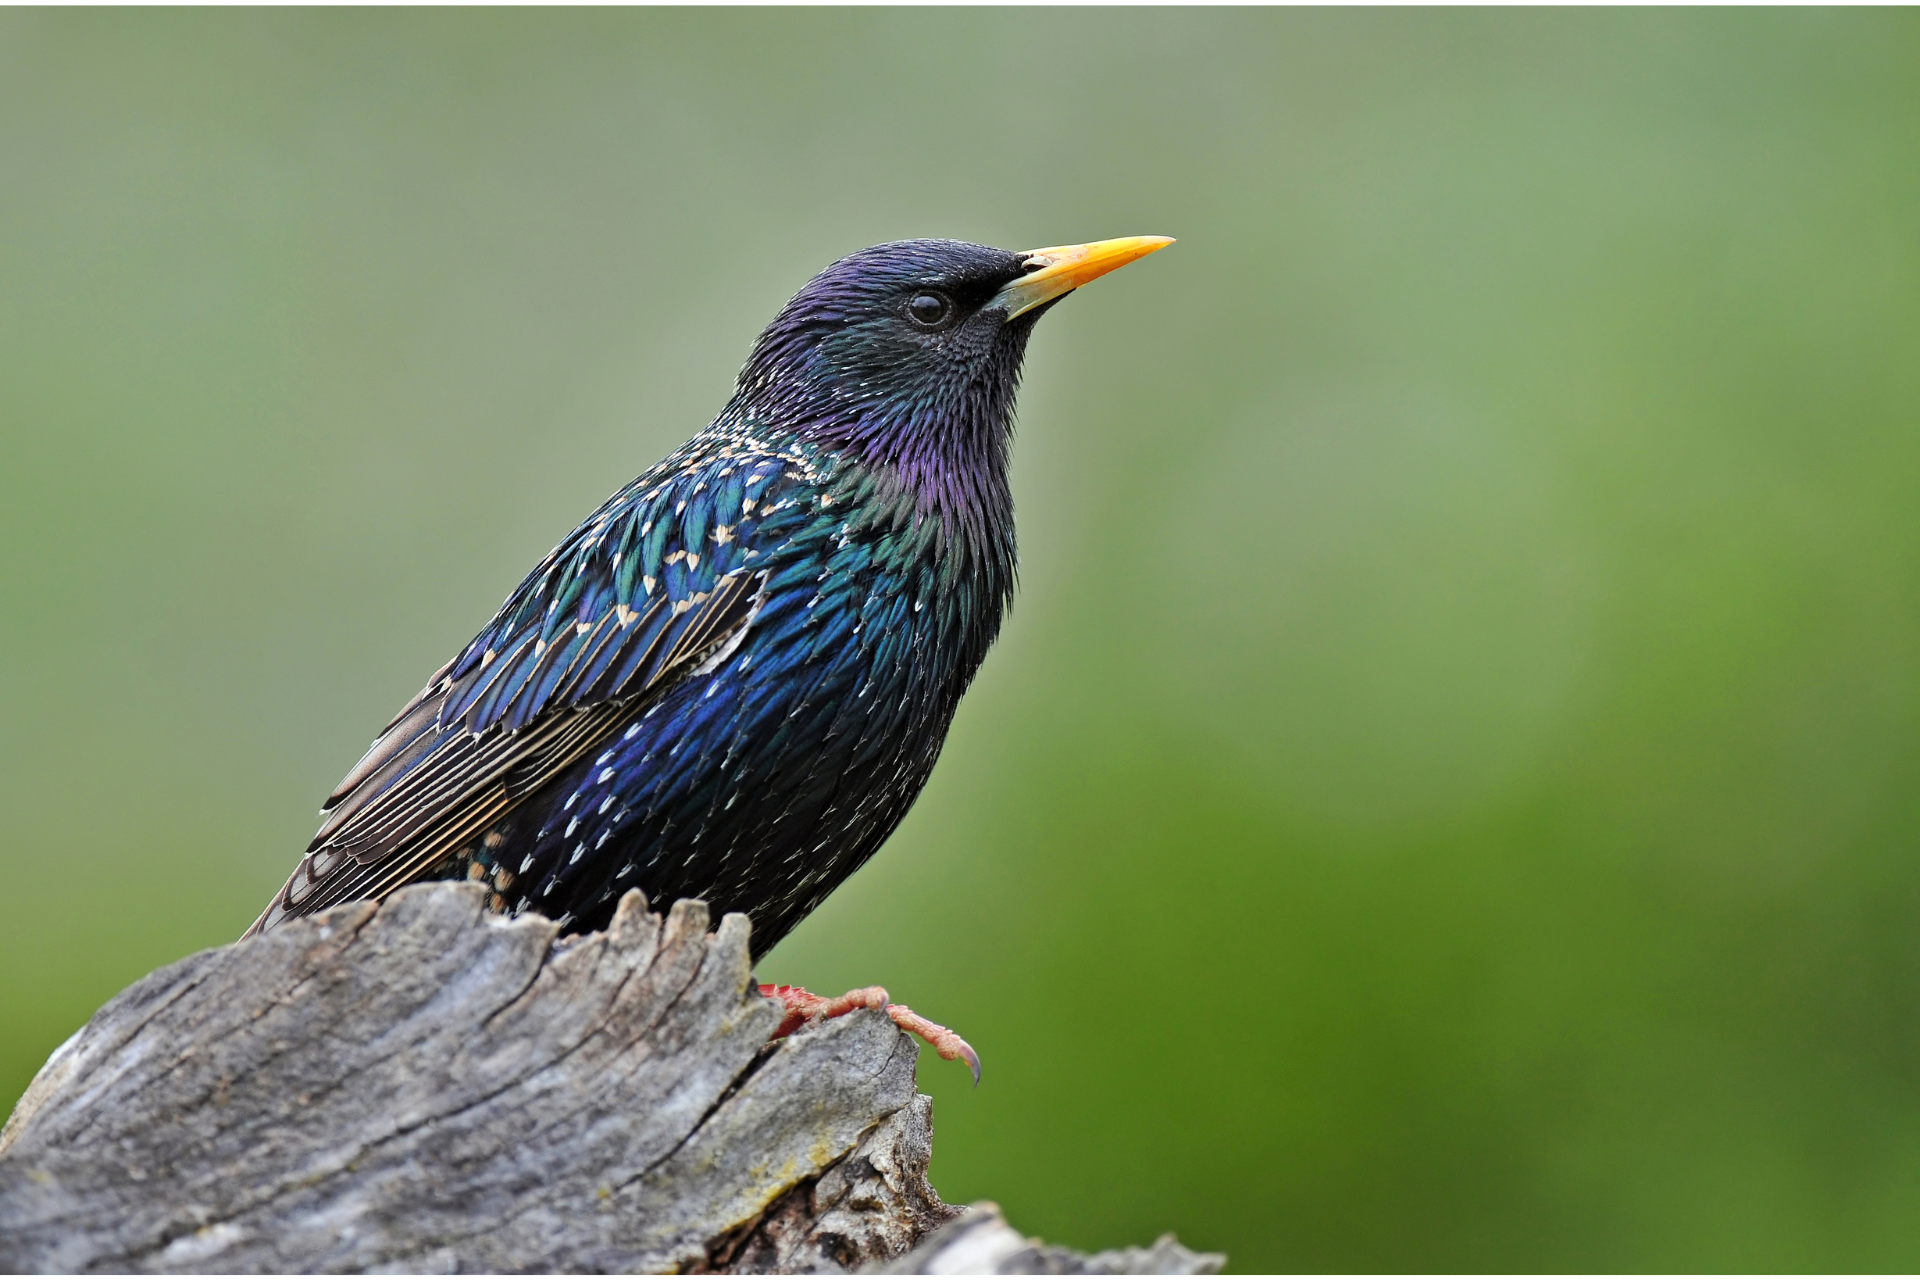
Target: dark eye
929, 309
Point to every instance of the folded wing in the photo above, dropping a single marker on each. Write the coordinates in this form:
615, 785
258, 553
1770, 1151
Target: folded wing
658, 584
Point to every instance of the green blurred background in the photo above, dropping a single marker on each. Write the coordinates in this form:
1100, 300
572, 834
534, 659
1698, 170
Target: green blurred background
1446, 798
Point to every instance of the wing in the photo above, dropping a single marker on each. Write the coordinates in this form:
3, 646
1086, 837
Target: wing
658, 583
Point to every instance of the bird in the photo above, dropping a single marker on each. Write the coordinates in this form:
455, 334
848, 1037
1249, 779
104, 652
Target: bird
732, 680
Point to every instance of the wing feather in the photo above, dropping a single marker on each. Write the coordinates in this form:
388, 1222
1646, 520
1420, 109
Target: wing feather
644, 594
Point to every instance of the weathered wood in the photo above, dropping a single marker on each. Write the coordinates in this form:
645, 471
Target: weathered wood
980, 1243
418, 1085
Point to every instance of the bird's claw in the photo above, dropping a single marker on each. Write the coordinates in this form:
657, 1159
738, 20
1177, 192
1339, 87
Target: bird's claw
803, 1007
944, 1042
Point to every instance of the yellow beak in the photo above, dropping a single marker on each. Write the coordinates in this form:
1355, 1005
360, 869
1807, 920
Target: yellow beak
1052, 272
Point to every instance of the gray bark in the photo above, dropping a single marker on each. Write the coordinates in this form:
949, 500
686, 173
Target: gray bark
980, 1243
417, 1085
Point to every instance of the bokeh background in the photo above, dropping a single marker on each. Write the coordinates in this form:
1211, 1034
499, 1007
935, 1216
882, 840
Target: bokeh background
1447, 796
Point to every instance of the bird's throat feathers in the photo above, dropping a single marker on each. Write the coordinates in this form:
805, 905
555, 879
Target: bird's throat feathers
924, 442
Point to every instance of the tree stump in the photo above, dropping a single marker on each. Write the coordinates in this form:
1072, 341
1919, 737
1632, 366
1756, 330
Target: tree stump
417, 1085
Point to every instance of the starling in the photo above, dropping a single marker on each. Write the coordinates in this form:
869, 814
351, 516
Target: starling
732, 680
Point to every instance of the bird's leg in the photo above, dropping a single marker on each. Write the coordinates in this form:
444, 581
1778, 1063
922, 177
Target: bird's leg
803, 1007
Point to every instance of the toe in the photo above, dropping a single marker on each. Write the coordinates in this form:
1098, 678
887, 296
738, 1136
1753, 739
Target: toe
863, 998
943, 1040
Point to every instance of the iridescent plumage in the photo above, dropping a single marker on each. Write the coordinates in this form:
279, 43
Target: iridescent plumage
733, 679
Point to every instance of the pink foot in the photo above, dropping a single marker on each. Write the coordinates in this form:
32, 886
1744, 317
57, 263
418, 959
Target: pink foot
803, 1007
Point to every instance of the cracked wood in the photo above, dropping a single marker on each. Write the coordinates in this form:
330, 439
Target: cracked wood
418, 1085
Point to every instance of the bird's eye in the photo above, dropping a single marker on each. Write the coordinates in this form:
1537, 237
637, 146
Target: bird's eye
929, 309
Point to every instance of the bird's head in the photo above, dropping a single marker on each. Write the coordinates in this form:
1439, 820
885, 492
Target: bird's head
908, 355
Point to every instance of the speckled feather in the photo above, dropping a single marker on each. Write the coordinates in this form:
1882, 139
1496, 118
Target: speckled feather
734, 678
